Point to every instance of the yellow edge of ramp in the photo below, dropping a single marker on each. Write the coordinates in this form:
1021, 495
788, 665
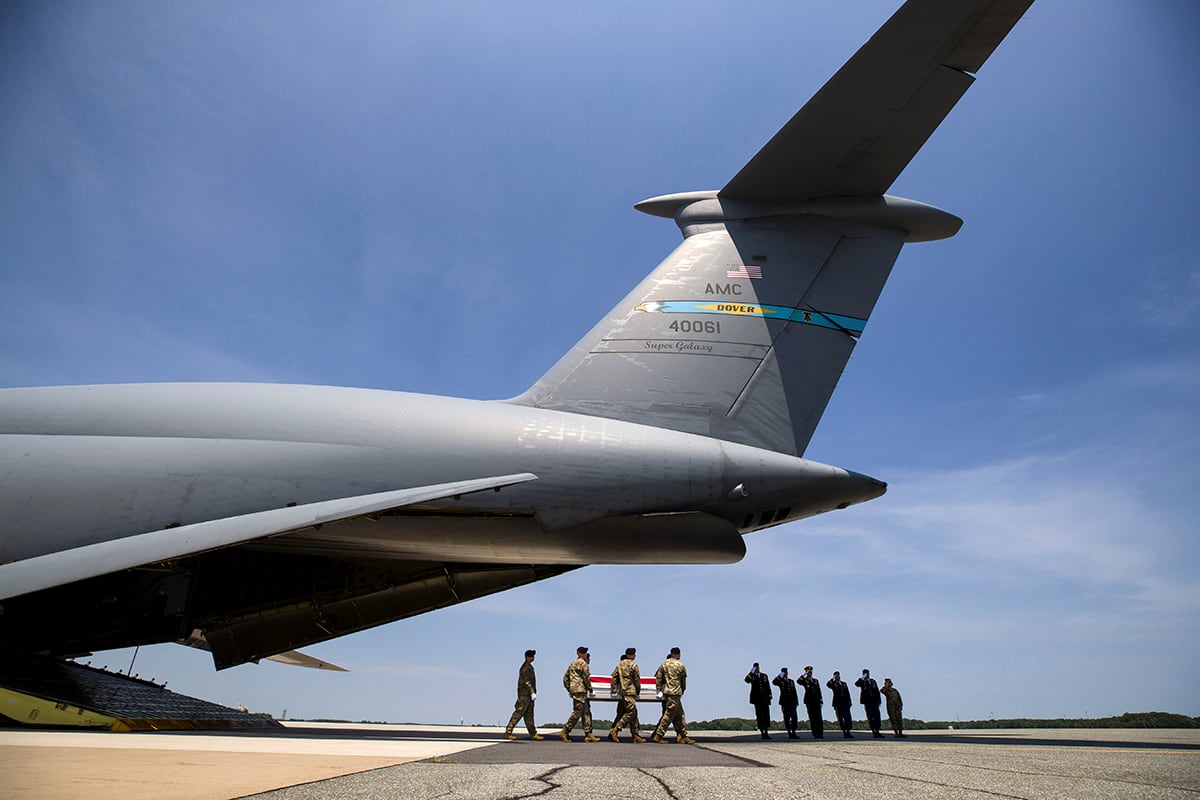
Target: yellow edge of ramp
30, 710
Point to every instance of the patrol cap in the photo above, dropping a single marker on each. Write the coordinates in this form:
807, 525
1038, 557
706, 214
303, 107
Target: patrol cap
529, 653
631, 651
674, 651
580, 650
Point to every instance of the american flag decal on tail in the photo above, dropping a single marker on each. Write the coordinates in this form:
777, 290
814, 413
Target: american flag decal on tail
751, 271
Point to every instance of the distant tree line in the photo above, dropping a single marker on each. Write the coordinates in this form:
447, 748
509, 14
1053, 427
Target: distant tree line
1144, 719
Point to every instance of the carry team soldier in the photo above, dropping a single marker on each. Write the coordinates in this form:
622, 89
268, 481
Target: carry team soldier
627, 682
577, 680
671, 681
526, 694
614, 684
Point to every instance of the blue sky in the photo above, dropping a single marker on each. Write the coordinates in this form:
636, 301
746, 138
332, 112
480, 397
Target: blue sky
438, 198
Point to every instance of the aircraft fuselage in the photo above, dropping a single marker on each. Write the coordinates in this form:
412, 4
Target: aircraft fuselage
126, 459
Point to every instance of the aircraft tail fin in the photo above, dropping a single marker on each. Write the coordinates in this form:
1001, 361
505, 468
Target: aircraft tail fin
743, 331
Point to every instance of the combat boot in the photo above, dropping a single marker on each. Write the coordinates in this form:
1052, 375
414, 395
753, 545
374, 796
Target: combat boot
564, 735
537, 737
590, 738
658, 739
509, 735
612, 734
638, 739
687, 740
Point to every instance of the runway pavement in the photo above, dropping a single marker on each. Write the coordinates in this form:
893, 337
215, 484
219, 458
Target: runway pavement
399, 761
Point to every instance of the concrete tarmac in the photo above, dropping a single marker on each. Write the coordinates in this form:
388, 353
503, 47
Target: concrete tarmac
331, 761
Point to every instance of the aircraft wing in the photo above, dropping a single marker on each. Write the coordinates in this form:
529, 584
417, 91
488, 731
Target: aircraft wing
54, 569
294, 658
866, 123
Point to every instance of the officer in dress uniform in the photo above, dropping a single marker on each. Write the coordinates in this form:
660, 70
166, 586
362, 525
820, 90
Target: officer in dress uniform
760, 697
841, 703
813, 702
787, 701
868, 695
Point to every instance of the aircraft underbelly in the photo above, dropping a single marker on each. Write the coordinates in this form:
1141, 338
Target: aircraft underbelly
688, 538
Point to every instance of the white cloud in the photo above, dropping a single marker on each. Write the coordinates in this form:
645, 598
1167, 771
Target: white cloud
1171, 295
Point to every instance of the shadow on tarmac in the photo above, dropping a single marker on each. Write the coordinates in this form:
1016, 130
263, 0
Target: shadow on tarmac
964, 737
483, 736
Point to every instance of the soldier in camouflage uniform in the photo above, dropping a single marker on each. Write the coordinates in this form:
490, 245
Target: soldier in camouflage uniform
671, 680
627, 682
895, 707
526, 694
577, 680
615, 689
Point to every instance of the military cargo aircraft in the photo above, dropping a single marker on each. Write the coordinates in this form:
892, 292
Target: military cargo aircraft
252, 520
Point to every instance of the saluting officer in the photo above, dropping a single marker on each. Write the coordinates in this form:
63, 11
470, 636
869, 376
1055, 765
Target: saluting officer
841, 703
813, 702
787, 701
760, 698
895, 707
868, 695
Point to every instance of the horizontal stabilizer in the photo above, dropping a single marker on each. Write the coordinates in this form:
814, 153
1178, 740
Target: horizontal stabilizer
54, 569
860, 130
